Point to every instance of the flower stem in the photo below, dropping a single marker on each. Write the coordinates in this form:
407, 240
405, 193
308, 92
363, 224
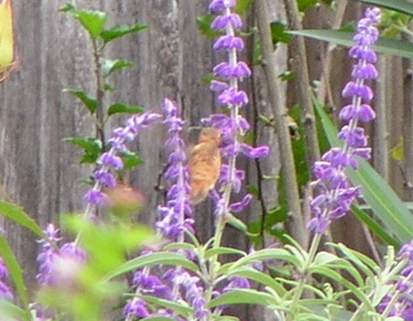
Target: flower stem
300, 288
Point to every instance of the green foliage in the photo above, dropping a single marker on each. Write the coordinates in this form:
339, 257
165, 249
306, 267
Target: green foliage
91, 147
17, 214
94, 22
122, 108
16, 274
386, 46
109, 66
279, 34
402, 6
88, 101
90, 291
385, 203
204, 26
121, 31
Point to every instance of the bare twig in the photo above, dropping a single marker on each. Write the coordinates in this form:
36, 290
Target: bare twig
408, 125
381, 135
297, 226
100, 93
301, 68
324, 87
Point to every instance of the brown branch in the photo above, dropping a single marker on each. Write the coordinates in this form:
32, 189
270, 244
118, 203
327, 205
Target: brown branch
303, 79
324, 87
297, 226
100, 93
381, 134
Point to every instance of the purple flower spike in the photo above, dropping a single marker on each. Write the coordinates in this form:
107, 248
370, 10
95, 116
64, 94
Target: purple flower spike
335, 194
5, 290
175, 217
111, 161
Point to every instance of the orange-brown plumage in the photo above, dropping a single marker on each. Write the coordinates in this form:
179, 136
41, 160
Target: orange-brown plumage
205, 164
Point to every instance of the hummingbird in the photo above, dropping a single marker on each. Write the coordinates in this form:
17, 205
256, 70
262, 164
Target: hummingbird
205, 164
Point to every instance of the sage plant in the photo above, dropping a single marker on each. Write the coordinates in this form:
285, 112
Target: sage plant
335, 193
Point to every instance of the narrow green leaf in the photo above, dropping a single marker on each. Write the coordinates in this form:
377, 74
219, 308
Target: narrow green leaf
259, 277
15, 270
90, 102
179, 308
385, 46
11, 312
158, 319
122, 108
243, 296
121, 31
396, 5
164, 258
267, 254
375, 227
386, 205
222, 251
333, 275
17, 214
109, 65
179, 246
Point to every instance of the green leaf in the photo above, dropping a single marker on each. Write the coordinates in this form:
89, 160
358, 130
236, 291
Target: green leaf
92, 148
279, 34
259, 277
158, 319
91, 103
222, 251
243, 6
92, 20
267, 254
122, 108
109, 66
333, 275
11, 312
396, 5
131, 160
164, 258
204, 26
304, 5
375, 227
179, 246
15, 270
243, 296
386, 205
15, 213
121, 31
179, 308
385, 46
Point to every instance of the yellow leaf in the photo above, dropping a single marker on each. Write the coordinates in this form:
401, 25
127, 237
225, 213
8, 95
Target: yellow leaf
6, 38
397, 152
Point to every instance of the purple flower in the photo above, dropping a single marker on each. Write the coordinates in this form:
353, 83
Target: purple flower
220, 5
175, 216
95, 197
151, 285
231, 20
112, 161
335, 194
237, 283
58, 266
136, 308
5, 290
193, 294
